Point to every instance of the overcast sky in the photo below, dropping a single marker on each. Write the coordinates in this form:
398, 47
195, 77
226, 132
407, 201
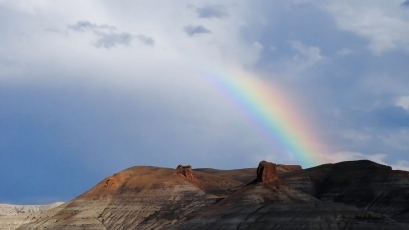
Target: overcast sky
89, 88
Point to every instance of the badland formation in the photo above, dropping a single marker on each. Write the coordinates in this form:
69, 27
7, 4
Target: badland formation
346, 195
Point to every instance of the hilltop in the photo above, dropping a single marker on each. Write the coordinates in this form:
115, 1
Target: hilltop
346, 195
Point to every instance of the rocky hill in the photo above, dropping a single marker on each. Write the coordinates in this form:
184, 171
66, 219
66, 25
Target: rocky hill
13, 210
13, 216
347, 195
363, 184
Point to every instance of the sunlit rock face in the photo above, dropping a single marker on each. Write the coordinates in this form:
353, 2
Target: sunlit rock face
185, 171
266, 172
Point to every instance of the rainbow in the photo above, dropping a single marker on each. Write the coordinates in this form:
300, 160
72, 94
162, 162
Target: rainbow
270, 109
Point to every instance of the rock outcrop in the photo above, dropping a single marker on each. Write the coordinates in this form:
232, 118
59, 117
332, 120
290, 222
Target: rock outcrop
348, 195
266, 206
186, 171
363, 184
266, 172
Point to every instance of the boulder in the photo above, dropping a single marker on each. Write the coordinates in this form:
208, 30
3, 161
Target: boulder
266, 172
186, 171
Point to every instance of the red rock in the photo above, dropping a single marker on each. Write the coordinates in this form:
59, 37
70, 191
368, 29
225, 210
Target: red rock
266, 172
186, 171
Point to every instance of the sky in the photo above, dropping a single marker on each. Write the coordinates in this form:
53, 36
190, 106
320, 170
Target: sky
89, 88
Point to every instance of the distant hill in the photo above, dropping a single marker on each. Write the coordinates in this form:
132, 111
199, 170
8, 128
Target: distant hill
13, 210
346, 195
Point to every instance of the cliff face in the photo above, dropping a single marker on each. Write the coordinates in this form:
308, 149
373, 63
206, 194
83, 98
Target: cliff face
349, 195
363, 184
270, 203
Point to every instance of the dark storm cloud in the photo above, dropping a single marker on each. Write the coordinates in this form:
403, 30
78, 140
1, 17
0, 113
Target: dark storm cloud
109, 40
192, 30
82, 26
405, 3
211, 11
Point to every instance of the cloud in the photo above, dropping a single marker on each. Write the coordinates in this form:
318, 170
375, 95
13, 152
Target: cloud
192, 30
108, 40
403, 102
401, 165
165, 87
383, 30
211, 11
304, 58
83, 26
345, 52
397, 140
146, 40
405, 3
309, 54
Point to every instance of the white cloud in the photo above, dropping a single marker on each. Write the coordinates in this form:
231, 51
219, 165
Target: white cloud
401, 165
169, 67
306, 55
345, 52
403, 102
131, 62
299, 62
24, 6
377, 22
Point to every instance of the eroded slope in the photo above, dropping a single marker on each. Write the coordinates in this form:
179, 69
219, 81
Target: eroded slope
138, 197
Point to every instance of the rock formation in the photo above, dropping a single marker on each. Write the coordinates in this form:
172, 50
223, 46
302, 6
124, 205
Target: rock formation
13, 216
186, 171
362, 184
13, 210
266, 172
349, 195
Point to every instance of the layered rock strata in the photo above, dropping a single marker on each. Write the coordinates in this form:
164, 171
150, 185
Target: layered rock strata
363, 184
138, 198
13, 216
349, 195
